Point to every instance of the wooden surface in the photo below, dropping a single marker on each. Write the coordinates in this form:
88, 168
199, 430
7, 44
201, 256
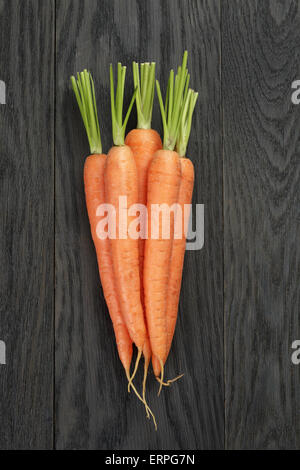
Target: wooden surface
260, 51
240, 300
26, 224
93, 408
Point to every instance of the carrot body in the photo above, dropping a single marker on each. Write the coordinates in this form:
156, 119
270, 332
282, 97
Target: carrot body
163, 188
94, 193
178, 249
143, 143
121, 180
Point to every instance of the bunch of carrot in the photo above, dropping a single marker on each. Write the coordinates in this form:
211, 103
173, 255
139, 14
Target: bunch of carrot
140, 277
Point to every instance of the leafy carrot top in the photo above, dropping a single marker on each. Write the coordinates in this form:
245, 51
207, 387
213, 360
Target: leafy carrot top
145, 84
84, 90
118, 125
171, 111
185, 123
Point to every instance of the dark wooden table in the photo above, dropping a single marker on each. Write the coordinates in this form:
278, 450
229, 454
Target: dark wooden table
63, 386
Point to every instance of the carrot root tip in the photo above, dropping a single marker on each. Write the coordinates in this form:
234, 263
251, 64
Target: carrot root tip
144, 385
165, 384
161, 376
148, 410
135, 369
170, 381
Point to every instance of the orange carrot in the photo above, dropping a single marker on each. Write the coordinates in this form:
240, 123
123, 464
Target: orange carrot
184, 198
163, 188
120, 177
144, 142
177, 257
173, 112
178, 249
94, 192
121, 180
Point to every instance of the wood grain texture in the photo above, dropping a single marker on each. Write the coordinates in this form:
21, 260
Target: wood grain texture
93, 408
260, 59
26, 223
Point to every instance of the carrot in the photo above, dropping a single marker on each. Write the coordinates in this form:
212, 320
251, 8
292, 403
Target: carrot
163, 188
94, 192
121, 180
184, 198
144, 142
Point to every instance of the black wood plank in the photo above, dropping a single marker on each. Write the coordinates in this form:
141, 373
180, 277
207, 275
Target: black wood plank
93, 408
260, 56
26, 223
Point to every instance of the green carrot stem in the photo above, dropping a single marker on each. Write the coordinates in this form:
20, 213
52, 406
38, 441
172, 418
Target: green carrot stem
144, 82
172, 109
186, 121
118, 125
84, 90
